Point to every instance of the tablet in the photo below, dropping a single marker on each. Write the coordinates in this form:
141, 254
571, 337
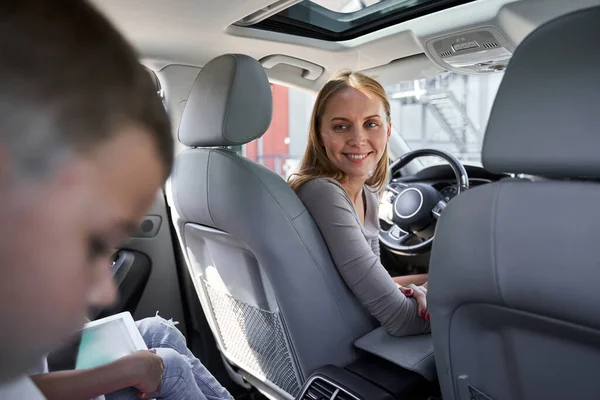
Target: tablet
108, 339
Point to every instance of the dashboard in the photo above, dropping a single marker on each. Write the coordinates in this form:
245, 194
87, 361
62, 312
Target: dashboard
448, 192
442, 178
449, 189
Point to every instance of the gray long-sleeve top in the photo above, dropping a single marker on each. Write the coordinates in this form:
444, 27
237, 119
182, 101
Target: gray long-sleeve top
355, 251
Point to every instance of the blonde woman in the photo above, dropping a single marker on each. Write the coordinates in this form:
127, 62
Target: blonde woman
344, 167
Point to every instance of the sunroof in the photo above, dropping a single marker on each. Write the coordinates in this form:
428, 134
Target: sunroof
346, 6
338, 20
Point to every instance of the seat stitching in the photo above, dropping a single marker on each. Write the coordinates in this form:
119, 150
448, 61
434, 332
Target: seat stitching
494, 241
229, 97
422, 359
208, 187
301, 214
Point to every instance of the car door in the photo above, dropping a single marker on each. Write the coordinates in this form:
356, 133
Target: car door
145, 270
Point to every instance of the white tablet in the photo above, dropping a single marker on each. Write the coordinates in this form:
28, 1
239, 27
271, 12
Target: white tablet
108, 339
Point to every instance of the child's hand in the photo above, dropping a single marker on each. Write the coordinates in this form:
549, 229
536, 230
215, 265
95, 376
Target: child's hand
147, 371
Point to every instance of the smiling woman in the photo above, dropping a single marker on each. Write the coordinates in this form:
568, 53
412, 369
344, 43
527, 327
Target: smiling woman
344, 167
350, 121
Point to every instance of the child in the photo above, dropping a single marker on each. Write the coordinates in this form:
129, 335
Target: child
84, 145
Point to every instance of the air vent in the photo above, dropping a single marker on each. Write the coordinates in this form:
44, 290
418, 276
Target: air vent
344, 396
446, 54
319, 389
491, 45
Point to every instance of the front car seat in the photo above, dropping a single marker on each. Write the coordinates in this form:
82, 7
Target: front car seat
270, 291
513, 292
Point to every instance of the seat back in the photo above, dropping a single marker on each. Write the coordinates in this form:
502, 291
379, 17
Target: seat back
512, 293
273, 297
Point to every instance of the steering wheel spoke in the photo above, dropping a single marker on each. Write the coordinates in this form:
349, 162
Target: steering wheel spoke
396, 187
396, 236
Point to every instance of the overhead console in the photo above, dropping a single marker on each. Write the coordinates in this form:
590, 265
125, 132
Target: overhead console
481, 37
478, 51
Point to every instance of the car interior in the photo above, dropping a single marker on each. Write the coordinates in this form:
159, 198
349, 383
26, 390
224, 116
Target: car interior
499, 220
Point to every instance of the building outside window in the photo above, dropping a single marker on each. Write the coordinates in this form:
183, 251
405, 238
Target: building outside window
447, 112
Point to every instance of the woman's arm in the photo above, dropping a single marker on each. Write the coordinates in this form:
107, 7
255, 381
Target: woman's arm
356, 261
418, 280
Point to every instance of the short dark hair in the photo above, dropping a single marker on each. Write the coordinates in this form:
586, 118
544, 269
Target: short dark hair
68, 82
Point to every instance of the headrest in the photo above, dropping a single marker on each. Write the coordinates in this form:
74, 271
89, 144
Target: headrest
546, 116
230, 103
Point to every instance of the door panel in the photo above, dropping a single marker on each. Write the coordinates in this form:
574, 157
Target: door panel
161, 291
131, 271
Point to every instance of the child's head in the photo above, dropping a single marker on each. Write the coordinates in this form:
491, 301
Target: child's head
84, 145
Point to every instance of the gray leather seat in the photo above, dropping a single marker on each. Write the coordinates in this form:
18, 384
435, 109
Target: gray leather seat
273, 297
514, 298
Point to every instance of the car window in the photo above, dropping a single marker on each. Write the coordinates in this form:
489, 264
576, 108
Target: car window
448, 112
281, 147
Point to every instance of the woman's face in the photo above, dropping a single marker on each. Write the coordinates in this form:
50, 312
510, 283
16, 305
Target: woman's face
354, 132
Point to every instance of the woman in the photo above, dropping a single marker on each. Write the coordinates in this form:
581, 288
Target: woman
344, 167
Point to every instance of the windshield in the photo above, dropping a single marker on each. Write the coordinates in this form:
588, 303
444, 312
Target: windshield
448, 112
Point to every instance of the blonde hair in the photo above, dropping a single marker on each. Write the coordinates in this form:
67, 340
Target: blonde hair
315, 163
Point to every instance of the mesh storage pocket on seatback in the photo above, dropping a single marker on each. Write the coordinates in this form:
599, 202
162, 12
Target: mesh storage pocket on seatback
254, 339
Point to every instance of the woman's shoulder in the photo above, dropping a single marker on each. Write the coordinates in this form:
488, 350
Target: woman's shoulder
324, 188
321, 183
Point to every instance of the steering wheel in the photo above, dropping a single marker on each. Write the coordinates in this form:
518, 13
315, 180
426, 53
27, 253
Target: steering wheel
417, 206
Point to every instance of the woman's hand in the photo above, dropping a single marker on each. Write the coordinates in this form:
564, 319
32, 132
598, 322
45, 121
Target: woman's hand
147, 370
419, 293
405, 280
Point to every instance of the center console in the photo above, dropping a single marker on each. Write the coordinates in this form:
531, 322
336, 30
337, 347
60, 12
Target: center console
388, 368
